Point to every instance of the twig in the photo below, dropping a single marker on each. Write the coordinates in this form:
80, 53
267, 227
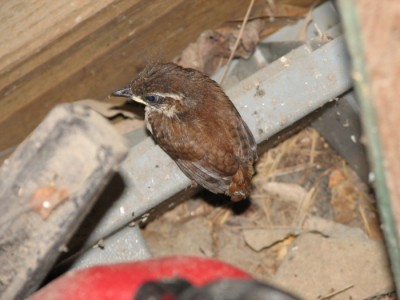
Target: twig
270, 9
336, 292
307, 20
314, 138
246, 17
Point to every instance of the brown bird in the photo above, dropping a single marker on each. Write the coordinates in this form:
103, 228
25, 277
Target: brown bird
196, 124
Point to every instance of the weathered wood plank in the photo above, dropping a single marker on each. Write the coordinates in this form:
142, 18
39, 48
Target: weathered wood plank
373, 29
25, 25
87, 52
380, 29
57, 184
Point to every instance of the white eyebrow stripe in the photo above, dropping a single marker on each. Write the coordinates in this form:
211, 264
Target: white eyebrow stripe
170, 95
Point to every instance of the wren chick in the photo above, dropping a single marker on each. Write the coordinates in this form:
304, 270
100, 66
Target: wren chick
196, 124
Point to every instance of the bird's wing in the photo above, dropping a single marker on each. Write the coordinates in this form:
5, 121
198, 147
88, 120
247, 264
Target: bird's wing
249, 152
217, 161
244, 145
205, 154
205, 175
191, 151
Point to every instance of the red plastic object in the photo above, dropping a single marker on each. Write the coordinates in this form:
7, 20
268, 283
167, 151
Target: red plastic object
120, 281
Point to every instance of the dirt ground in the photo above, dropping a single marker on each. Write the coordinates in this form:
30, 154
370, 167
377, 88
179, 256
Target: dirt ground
310, 226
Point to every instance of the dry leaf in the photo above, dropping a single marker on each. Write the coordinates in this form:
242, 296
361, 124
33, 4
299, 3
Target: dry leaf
344, 197
213, 47
250, 38
206, 54
336, 178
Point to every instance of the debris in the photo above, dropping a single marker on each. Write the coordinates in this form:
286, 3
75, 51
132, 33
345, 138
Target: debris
282, 191
317, 265
207, 54
213, 47
290, 202
259, 238
249, 40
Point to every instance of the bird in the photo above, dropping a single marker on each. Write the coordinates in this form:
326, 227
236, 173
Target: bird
196, 124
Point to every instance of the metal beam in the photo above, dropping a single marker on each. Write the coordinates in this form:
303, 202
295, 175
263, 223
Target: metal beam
269, 100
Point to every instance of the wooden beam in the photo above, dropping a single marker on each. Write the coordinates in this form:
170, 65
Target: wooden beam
57, 52
373, 32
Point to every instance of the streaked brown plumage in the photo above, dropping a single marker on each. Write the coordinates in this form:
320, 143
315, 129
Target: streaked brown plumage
197, 125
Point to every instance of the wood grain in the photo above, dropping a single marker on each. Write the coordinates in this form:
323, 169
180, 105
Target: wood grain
380, 32
61, 51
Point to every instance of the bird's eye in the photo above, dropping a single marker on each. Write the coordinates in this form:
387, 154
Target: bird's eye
153, 98
150, 98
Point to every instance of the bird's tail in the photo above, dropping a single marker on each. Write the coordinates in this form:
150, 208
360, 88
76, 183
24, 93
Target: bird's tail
241, 183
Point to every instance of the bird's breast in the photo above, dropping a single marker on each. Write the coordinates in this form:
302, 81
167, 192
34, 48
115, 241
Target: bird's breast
159, 124
147, 113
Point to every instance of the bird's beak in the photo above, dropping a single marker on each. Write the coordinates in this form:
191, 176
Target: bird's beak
127, 93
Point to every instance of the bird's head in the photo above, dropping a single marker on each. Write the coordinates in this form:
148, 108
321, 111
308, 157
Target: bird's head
168, 88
